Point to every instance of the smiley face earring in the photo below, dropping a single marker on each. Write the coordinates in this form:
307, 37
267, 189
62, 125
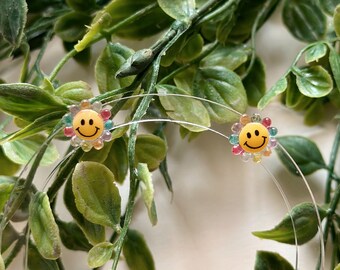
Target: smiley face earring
253, 137
88, 125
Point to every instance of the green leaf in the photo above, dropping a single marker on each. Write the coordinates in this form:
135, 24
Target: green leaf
304, 19
72, 236
224, 87
230, 57
315, 113
336, 20
81, 5
329, 6
98, 155
71, 26
27, 101
44, 122
178, 9
100, 254
74, 92
136, 252
13, 16
255, 83
44, 229
37, 262
110, 60
93, 232
191, 49
334, 61
21, 151
315, 52
96, 194
150, 149
147, 189
294, 99
305, 222
183, 108
6, 187
304, 152
313, 81
337, 267
117, 159
8, 167
266, 260
185, 79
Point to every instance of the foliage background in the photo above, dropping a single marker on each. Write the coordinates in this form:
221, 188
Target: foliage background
218, 199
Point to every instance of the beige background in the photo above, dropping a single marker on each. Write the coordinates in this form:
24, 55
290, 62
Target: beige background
218, 199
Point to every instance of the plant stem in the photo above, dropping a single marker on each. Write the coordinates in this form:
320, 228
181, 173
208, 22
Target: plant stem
24, 70
332, 159
62, 62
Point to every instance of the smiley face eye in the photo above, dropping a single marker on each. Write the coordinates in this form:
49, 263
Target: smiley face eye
257, 133
91, 122
248, 135
82, 122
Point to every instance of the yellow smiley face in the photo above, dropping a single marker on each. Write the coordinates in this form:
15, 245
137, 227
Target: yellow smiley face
253, 137
88, 125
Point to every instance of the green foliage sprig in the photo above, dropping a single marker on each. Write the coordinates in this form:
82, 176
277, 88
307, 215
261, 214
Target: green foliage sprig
206, 50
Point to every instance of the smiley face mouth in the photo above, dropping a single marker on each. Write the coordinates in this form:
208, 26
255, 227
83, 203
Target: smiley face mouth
257, 147
87, 136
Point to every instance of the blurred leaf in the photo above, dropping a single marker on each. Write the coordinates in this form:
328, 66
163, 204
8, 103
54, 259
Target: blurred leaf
266, 260
304, 19
136, 252
183, 108
185, 79
93, 232
150, 149
72, 236
337, 267
98, 155
315, 113
96, 194
192, 48
44, 229
178, 9
6, 187
305, 222
13, 15
336, 20
27, 101
147, 190
81, 5
304, 152
117, 160
334, 61
9, 236
225, 26
8, 167
71, 26
224, 87
314, 53
148, 24
83, 57
21, 151
230, 57
247, 13
2, 264
100, 254
37, 262
313, 81
329, 6
110, 60
74, 92
255, 83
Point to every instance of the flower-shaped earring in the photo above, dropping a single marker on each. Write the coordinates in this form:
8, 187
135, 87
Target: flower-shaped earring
88, 125
253, 137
